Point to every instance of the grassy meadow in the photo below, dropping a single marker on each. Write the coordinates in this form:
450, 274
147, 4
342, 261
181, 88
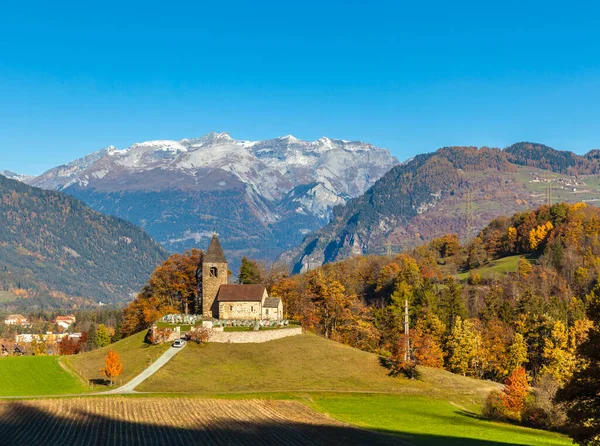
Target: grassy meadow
37, 375
341, 382
135, 355
424, 421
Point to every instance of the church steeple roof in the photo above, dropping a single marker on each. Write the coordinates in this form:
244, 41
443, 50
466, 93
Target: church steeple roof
215, 254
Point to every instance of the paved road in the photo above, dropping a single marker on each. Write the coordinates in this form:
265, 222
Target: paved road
131, 385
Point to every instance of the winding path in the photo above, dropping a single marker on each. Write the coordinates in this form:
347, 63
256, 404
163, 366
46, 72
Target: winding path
147, 373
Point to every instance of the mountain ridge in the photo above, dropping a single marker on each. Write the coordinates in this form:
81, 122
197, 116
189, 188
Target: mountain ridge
263, 196
429, 196
57, 252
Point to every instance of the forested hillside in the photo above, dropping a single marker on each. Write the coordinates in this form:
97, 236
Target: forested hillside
55, 251
455, 189
535, 317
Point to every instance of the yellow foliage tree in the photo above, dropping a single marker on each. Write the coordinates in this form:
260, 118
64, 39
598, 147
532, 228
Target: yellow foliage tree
465, 347
559, 360
525, 268
517, 353
538, 234
512, 234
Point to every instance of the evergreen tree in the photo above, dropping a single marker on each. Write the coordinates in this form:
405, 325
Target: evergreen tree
91, 338
250, 272
452, 302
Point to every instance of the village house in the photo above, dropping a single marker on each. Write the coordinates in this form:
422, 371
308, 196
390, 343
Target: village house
17, 319
48, 337
220, 300
65, 322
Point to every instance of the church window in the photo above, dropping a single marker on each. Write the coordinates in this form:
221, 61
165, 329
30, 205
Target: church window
214, 272
230, 307
251, 308
267, 311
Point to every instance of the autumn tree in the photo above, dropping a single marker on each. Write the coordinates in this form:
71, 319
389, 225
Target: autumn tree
172, 288
515, 392
331, 305
559, 360
464, 348
102, 336
517, 353
427, 338
68, 346
581, 393
113, 366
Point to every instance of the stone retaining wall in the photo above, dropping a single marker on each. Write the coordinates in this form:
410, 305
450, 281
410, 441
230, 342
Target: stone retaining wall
252, 337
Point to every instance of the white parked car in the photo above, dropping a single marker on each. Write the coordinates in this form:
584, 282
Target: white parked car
178, 343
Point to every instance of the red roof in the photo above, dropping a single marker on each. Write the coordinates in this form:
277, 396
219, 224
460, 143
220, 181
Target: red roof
241, 293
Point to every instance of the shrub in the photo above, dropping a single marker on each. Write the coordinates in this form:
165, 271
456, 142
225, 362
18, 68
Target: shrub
406, 368
199, 335
541, 410
494, 407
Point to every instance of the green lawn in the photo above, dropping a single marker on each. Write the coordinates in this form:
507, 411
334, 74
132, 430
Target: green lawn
135, 356
420, 420
496, 267
37, 375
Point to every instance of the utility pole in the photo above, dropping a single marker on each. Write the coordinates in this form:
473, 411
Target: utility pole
406, 333
388, 246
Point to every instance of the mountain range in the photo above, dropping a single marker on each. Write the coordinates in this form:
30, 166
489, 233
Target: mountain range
57, 252
263, 197
453, 190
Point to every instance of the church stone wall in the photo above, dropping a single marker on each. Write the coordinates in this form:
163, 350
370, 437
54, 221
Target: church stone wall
252, 337
240, 310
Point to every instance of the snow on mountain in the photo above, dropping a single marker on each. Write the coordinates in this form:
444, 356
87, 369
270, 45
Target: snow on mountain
283, 181
271, 168
15, 176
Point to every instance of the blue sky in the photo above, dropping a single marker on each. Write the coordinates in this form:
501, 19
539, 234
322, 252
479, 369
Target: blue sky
411, 77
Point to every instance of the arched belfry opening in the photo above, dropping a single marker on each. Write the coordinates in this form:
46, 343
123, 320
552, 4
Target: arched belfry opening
214, 272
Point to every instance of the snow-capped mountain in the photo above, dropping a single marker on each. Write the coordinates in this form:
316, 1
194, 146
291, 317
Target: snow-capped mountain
264, 195
15, 176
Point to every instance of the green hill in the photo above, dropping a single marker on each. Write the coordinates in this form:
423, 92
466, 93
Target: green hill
349, 385
57, 252
306, 363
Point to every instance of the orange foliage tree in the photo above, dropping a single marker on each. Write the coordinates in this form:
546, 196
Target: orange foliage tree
113, 366
172, 288
515, 392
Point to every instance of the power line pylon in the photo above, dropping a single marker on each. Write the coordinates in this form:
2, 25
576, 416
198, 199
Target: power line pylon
469, 220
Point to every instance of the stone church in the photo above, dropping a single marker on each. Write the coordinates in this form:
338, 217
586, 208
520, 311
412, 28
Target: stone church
220, 300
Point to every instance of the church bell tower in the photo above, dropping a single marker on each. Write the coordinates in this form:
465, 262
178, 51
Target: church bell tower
214, 274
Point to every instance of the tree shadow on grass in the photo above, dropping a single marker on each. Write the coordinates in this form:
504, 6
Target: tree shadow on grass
25, 424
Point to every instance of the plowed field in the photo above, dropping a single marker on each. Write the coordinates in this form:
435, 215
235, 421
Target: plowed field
172, 421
